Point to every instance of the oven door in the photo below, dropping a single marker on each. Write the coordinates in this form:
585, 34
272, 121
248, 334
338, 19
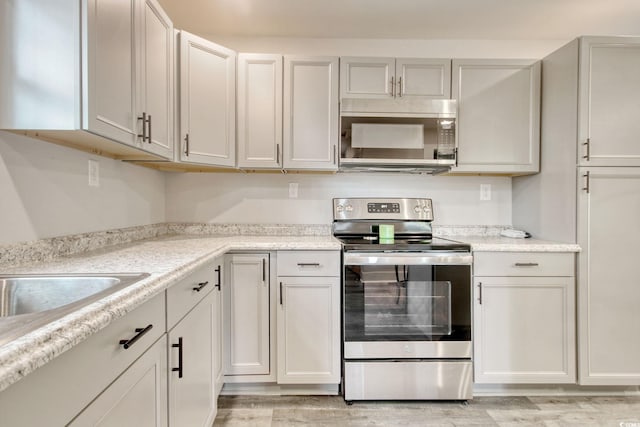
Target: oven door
407, 305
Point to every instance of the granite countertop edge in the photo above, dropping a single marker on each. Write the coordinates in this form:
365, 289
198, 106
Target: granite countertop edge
506, 244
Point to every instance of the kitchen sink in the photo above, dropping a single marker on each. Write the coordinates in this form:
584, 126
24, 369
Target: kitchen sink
30, 301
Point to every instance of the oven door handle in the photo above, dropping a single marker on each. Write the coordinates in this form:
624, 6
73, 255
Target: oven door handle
405, 258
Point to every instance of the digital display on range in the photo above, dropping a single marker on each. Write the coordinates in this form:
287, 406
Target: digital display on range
383, 207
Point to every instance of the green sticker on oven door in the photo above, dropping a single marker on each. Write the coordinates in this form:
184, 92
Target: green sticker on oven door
385, 231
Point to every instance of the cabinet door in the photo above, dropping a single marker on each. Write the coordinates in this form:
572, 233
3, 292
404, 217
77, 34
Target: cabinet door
524, 330
309, 330
498, 115
609, 90
110, 53
218, 331
608, 292
371, 78
192, 400
207, 101
311, 113
156, 85
259, 110
137, 398
425, 78
246, 312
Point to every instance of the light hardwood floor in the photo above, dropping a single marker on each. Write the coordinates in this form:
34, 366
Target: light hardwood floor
257, 411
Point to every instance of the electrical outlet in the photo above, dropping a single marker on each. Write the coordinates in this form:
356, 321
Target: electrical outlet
485, 191
293, 190
94, 173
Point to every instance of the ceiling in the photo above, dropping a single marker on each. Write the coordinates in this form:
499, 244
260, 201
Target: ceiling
407, 19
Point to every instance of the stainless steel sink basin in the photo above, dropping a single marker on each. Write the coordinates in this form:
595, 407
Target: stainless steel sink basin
29, 301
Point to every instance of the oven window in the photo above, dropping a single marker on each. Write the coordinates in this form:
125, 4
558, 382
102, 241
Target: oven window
399, 303
407, 308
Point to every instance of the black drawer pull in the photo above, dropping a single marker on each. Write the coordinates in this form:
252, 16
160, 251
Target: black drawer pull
179, 347
526, 264
140, 332
308, 264
200, 286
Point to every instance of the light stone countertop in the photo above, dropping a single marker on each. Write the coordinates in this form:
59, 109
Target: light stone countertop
507, 244
167, 259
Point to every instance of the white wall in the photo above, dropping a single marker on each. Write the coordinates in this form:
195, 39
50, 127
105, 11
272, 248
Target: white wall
264, 198
44, 192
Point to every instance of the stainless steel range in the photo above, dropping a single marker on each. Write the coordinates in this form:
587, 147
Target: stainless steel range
406, 301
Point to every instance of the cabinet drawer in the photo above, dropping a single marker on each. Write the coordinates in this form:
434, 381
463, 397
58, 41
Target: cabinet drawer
83, 372
308, 263
523, 264
183, 296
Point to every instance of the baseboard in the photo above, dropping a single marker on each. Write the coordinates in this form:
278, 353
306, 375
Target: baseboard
551, 390
479, 390
272, 389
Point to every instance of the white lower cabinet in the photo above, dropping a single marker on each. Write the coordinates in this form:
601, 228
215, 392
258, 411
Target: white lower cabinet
137, 398
309, 330
308, 317
247, 316
288, 333
609, 291
65, 388
192, 395
524, 318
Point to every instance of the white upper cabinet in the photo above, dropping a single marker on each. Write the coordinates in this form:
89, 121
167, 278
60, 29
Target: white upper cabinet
311, 113
111, 65
384, 78
427, 78
498, 115
259, 111
207, 102
367, 77
156, 90
130, 74
609, 90
92, 72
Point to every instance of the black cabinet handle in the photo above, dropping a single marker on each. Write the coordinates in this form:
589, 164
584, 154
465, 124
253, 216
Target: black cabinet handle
480, 293
526, 264
280, 293
308, 264
179, 347
139, 333
264, 269
144, 127
218, 270
200, 286
149, 127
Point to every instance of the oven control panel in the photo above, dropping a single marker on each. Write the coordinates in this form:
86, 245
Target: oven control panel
383, 207
397, 209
